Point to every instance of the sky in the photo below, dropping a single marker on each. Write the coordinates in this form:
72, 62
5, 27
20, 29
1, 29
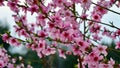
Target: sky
6, 18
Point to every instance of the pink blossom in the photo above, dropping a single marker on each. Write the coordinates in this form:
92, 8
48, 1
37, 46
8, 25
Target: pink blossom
64, 36
93, 58
96, 17
17, 29
106, 4
41, 45
44, 8
96, 37
95, 28
40, 20
118, 32
5, 37
23, 20
84, 45
84, 16
54, 44
105, 66
2, 64
112, 1
13, 60
30, 2
10, 65
68, 52
100, 10
55, 33
59, 2
13, 41
111, 62
100, 49
117, 45
42, 34
51, 25
76, 1
4, 60
33, 47
13, 6
40, 54
106, 32
24, 33
95, 65
20, 66
76, 50
29, 66
68, 13
33, 9
85, 4
1, 3
49, 51
61, 53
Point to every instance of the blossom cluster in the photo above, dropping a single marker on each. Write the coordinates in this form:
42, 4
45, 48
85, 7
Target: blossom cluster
57, 29
7, 62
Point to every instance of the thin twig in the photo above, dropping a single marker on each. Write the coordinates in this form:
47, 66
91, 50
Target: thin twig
106, 8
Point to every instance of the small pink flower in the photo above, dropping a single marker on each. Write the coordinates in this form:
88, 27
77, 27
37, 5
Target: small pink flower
100, 10
1, 2
55, 34
29, 66
59, 2
33, 9
54, 44
41, 45
95, 65
13, 60
1, 64
51, 25
111, 62
49, 51
100, 49
96, 17
118, 32
85, 4
23, 33
106, 32
40, 54
30, 2
83, 46
68, 52
95, 28
42, 34
33, 46
44, 8
5, 37
96, 37
92, 58
23, 20
64, 36
117, 45
13, 41
10, 65
76, 50
61, 53
105, 66
13, 6
76, 1
84, 16
40, 20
